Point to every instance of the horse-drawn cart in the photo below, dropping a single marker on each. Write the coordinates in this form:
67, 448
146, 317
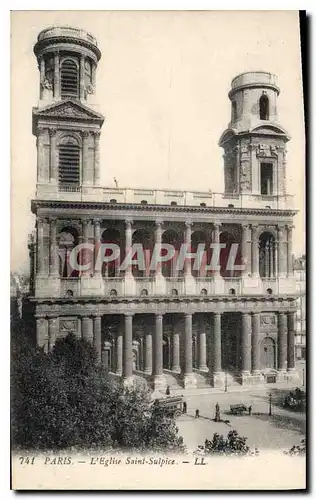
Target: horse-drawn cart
173, 405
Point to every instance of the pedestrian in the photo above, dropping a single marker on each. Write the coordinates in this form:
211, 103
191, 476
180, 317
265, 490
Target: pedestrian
184, 407
217, 413
250, 410
168, 390
197, 413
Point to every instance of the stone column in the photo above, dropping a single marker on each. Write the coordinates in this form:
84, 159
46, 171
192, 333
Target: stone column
189, 379
85, 158
202, 346
289, 251
159, 379
255, 344
282, 341
40, 247
187, 241
216, 241
53, 261
53, 156
128, 349
56, 76
245, 347
255, 252
42, 333
158, 240
41, 161
82, 89
188, 368
84, 252
175, 351
93, 79
97, 158
217, 343
87, 329
128, 246
291, 341
97, 336
217, 374
244, 250
119, 353
148, 353
52, 333
97, 244
42, 75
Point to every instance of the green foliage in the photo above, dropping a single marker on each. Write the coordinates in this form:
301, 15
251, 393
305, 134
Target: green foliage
63, 399
232, 445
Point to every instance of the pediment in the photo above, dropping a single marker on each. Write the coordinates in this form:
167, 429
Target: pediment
68, 110
270, 128
226, 136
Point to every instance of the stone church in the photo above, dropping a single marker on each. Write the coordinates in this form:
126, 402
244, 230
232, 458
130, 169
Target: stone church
168, 326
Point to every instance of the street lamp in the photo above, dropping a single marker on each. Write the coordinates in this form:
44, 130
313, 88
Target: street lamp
270, 404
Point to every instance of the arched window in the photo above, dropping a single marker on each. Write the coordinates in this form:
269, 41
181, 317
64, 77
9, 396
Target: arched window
269, 291
69, 79
174, 292
113, 293
69, 163
69, 293
67, 240
203, 291
264, 107
232, 291
144, 292
202, 204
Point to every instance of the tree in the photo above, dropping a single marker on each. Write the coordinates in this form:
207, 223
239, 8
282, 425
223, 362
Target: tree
297, 449
63, 399
232, 445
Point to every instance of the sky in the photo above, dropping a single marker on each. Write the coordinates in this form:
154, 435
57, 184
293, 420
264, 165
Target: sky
162, 85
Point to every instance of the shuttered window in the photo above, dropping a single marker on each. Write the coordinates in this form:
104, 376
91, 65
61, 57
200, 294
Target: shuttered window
69, 79
69, 165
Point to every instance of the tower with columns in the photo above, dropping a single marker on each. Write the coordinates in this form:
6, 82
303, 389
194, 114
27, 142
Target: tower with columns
191, 327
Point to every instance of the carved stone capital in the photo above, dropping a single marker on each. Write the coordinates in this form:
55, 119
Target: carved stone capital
41, 130
52, 132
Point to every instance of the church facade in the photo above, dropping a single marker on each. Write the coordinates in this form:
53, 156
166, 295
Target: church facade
185, 326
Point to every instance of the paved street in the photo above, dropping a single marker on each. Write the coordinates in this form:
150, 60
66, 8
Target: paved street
280, 431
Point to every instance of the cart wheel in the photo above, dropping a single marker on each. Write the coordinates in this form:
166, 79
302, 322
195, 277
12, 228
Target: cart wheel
177, 414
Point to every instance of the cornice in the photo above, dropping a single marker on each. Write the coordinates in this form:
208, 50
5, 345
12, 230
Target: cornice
46, 42
35, 204
186, 299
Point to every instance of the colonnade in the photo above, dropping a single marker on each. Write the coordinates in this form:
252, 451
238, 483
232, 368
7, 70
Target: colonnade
209, 349
47, 255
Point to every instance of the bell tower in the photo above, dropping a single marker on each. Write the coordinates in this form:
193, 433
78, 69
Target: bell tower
65, 123
254, 143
